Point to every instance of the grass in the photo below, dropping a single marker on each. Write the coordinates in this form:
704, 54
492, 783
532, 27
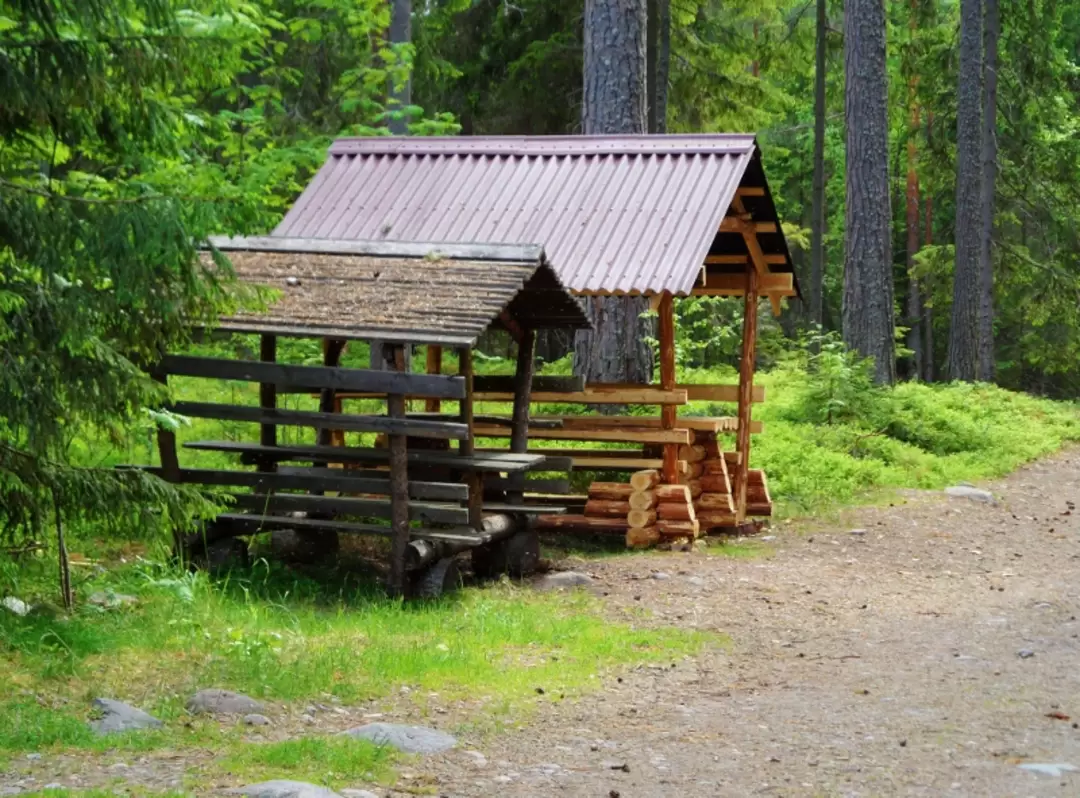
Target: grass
318, 760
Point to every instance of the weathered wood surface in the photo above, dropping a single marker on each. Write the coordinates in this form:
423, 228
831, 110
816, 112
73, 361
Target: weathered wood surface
667, 382
597, 394
643, 480
642, 537
255, 523
642, 500
746, 391
290, 378
617, 435
617, 491
675, 511
641, 518
401, 510
581, 522
349, 454
414, 428
267, 396
712, 424
607, 508
678, 529
694, 392
672, 493
348, 505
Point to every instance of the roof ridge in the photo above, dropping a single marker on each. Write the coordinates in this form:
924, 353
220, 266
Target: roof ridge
550, 146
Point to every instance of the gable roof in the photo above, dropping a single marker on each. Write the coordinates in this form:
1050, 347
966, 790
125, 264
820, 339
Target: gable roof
394, 291
615, 214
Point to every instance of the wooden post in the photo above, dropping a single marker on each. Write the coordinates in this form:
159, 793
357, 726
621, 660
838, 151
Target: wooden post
746, 388
668, 413
332, 349
466, 447
268, 399
170, 462
519, 425
434, 366
399, 486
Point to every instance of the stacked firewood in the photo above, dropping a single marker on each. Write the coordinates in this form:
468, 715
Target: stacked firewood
659, 512
713, 502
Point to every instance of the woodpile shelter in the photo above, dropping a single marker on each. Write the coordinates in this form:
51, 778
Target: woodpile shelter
656, 216
428, 498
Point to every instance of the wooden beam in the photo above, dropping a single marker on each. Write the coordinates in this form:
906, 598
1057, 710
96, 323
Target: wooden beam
415, 428
667, 382
474, 480
316, 377
519, 430
741, 260
433, 366
774, 302
598, 394
256, 523
614, 434
750, 191
695, 423
767, 284
733, 224
435, 513
267, 396
511, 326
399, 485
694, 392
746, 390
486, 383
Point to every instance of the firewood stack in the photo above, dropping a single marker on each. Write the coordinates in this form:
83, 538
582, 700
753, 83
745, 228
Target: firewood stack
659, 512
714, 503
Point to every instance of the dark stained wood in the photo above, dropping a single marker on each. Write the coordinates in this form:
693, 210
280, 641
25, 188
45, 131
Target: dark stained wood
668, 413
289, 377
255, 523
332, 349
399, 484
348, 505
434, 366
746, 390
166, 441
267, 396
336, 479
519, 426
465, 370
414, 428
493, 461
504, 383
525, 509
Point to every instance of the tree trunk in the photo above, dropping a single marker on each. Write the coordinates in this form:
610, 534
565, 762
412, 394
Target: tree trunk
928, 240
992, 22
868, 288
963, 357
658, 58
400, 96
914, 303
614, 102
817, 200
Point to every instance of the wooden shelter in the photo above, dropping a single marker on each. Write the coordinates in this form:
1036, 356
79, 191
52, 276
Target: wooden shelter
427, 498
656, 216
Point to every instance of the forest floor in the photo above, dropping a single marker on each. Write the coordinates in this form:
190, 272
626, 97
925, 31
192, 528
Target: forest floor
928, 647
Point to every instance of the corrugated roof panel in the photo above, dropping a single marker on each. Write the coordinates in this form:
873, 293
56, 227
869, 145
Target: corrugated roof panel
619, 214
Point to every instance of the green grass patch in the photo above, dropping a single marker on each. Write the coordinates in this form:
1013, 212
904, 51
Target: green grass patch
332, 761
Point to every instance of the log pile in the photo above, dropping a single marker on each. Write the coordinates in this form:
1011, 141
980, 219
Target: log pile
714, 503
659, 512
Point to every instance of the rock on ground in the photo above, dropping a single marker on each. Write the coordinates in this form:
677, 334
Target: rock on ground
408, 739
284, 788
358, 794
256, 719
109, 600
121, 717
968, 492
562, 579
222, 702
15, 605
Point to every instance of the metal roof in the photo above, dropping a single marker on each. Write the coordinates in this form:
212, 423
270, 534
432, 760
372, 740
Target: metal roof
623, 214
396, 291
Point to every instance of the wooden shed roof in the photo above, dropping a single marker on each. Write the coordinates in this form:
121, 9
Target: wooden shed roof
395, 291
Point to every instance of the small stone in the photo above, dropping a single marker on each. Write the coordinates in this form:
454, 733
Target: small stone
478, 759
696, 581
308, 719
857, 532
407, 739
1055, 770
256, 719
292, 282
767, 538
1025, 653
107, 599
348, 793
661, 576
120, 717
284, 788
15, 605
222, 702
33, 757
562, 579
968, 492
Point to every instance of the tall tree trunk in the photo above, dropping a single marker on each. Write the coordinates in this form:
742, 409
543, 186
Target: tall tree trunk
992, 22
928, 239
400, 32
915, 302
963, 357
817, 200
658, 59
868, 282
615, 350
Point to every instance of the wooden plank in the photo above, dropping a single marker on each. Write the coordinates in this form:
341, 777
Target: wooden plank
526, 509
258, 522
503, 383
557, 486
616, 463
696, 392
414, 428
519, 425
465, 408
777, 283
350, 505
746, 390
583, 522
597, 394
742, 260
593, 421
613, 434
750, 191
326, 479
349, 454
733, 224
519, 253
433, 365
267, 396
316, 377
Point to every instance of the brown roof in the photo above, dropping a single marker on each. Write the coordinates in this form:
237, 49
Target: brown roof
393, 291
631, 214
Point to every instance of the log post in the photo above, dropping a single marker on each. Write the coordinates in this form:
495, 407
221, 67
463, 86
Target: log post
519, 425
668, 413
399, 486
434, 366
332, 349
466, 446
166, 441
268, 399
746, 388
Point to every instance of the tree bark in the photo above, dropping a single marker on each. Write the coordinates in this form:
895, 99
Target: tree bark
614, 102
914, 299
817, 200
963, 356
400, 32
658, 53
868, 285
928, 239
992, 30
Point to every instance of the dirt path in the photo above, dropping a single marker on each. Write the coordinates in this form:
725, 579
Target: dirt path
880, 663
